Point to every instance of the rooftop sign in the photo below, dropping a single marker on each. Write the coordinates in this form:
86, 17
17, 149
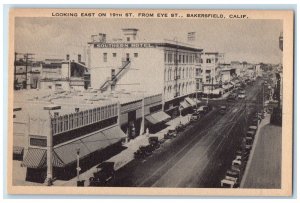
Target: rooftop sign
125, 45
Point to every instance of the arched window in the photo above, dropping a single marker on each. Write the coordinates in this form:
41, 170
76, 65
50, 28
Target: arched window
182, 73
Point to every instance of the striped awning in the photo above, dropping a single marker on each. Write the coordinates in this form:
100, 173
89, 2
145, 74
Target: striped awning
35, 158
66, 154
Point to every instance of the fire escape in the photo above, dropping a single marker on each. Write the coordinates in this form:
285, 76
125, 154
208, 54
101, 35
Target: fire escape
111, 82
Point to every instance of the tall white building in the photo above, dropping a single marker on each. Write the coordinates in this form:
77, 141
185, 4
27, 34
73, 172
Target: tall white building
129, 64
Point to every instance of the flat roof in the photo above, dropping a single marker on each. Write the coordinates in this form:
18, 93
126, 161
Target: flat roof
35, 101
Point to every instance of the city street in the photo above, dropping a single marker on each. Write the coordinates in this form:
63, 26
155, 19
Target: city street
198, 157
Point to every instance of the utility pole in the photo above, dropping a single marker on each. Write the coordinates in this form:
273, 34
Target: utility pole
26, 56
15, 66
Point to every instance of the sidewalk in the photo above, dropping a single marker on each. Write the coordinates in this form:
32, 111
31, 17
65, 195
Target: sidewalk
264, 166
126, 155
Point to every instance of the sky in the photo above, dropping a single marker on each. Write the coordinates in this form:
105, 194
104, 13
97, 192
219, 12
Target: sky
248, 40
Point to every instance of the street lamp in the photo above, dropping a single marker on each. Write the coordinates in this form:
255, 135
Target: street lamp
78, 169
49, 178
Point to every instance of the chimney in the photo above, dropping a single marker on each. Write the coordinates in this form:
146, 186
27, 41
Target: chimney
68, 57
102, 38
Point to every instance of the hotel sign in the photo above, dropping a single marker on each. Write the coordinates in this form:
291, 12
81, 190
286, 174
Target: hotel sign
125, 45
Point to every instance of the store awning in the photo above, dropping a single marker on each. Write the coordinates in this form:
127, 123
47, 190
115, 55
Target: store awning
114, 134
18, 150
161, 116
190, 101
152, 120
35, 158
157, 117
67, 153
96, 141
184, 104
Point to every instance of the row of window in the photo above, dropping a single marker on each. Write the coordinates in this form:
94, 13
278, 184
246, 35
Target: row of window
114, 55
72, 121
185, 58
178, 90
179, 73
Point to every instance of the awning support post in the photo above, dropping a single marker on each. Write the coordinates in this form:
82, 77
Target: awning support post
49, 179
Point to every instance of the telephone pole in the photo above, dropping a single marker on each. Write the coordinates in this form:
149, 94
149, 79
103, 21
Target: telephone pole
27, 58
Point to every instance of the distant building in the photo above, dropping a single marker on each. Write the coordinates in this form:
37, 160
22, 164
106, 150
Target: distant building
27, 74
65, 74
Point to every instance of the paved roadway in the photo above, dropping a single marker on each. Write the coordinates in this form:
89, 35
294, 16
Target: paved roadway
198, 157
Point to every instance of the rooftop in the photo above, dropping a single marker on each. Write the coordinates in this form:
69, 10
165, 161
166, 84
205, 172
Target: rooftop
33, 101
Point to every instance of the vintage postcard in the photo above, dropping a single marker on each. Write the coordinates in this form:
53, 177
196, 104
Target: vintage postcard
150, 102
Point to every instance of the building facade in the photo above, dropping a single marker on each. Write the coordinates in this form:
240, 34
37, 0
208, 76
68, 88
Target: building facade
126, 63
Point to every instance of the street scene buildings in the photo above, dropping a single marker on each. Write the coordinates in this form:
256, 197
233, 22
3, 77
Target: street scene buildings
133, 111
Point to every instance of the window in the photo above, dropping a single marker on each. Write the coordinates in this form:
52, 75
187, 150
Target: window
128, 39
104, 57
208, 60
136, 55
114, 54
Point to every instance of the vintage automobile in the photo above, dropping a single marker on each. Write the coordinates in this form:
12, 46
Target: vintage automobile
253, 128
227, 183
250, 133
180, 127
143, 151
222, 110
154, 142
170, 134
195, 116
105, 173
241, 96
203, 109
232, 97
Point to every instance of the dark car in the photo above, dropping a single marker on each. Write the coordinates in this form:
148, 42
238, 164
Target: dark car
143, 151
154, 142
195, 116
105, 172
180, 127
231, 97
222, 110
170, 134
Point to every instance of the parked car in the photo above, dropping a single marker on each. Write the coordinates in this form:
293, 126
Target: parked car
180, 127
223, 110
253, 128
105, 172
225, 183
231, 97
242, 96
170, 134
250, 133
233, 174
144, 151
195, 116
203, 109
248, 143
154, 142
